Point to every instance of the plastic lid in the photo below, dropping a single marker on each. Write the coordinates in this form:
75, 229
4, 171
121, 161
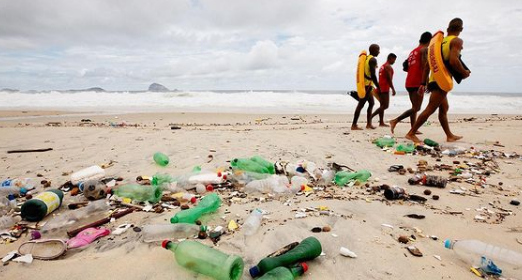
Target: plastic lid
254, 271
209, 188
448, 244
305, 267
165, 243
193, 200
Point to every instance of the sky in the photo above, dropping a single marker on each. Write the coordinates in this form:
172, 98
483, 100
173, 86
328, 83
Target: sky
243, 45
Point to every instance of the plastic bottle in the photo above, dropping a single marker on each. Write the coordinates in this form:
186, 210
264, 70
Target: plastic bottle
428, 180
139, 192
327, 177
253, 222
22, 184
153, 233
70, 219
284, 273
265, 163
309, 249
385, 142
161, 159
7, 222
343, 177
472, 251
297, 183
8, 190
406, 148
431, 143
206, 178
43, 204
248, 165
208, 204
205, 260
273, 184
90, 173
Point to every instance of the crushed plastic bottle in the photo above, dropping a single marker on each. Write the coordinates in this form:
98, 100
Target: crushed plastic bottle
22, 185
275, 184
386, 141
208, 204
7, 222
489, 258
343, 177
250, 165
71, 219
205, 260
139, 192
298, 183
159, 232
253, 222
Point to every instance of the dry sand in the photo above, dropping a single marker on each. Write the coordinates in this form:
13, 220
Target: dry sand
317, 138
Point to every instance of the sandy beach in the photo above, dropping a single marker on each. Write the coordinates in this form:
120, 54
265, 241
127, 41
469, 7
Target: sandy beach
357, 217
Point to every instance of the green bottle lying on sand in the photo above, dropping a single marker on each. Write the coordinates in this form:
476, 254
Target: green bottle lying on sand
205, 260
284, 273
208, 204
343, 177
141, 193
309, 249
161, 159
247, 164
43, 204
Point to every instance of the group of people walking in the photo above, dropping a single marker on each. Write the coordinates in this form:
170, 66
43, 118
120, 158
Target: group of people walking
418, 82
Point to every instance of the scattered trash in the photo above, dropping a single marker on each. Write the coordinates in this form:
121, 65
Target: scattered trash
48, 249
414, 251
415, 216
347, 253
86, 237
514, 202
29, 151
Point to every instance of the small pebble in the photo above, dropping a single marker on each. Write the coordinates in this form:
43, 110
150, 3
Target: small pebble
435, 197
176, 203
185, 207
136, 229
198, 222
327, 229
427, 192
515, 202
202, 235
404, 239
500, 183
317, 229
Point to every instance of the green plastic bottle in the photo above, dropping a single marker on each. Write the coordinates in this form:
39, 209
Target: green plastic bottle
208, 204
205, 260
284, 273
265, 163
159, 179
431, 143
343, 177
309, 249
43, 204
247, 164
161, 159
407, 148
140, 192
385, 142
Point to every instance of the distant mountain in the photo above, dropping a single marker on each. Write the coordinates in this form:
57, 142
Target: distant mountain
95, 89
9, 90
157, 87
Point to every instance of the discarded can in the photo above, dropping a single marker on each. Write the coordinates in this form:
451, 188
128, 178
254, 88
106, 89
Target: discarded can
394, 192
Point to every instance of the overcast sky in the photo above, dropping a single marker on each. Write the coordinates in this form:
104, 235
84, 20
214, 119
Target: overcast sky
241, 44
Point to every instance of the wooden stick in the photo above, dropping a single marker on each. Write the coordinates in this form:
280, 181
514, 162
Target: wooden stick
74, 232
29, 151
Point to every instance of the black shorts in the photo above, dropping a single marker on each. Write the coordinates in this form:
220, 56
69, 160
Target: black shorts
433, 86
412, 89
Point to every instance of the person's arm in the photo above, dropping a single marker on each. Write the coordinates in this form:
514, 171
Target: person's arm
454, 61
425, 69
373, 66
389, 78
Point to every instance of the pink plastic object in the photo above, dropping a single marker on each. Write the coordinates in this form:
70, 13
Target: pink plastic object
86, 237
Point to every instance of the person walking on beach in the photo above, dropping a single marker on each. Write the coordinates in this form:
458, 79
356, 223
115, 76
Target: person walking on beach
451, 48
385, 83
370, 80
417, 69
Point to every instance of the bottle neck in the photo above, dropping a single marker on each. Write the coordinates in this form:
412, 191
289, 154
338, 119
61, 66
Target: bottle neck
297, 271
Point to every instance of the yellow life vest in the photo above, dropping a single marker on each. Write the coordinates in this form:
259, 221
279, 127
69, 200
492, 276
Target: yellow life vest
367, 73
446, 43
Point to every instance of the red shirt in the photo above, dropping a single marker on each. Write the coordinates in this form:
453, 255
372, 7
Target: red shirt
414, 77
384, 84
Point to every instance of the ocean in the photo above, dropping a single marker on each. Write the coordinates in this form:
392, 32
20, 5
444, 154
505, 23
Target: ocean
237, 101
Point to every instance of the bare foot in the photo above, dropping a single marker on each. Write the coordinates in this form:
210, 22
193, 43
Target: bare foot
453, 138
383, 125
393, 123
369, 126
413, 138
418, 133
356, 128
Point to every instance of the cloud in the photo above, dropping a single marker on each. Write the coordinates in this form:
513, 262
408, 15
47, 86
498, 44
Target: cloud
236, 44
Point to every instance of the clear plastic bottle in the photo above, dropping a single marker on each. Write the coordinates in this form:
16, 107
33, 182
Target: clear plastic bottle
154, 233
6, 222
297, 183
253, 222
23, 185
78, 217
8, 190
90, 173
272, 184
472, 252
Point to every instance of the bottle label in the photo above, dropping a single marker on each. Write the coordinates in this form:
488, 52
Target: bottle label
7, 183
50, 199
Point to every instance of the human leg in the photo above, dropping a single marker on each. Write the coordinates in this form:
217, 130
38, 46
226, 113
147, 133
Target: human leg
357, 113
443, 119
436, 98
371, 102
411, 92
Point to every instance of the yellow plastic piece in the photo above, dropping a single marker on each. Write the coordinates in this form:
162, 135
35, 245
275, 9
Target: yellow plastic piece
475, 271
232, 225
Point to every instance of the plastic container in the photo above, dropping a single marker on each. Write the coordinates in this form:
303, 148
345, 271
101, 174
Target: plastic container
161, 159
431, 143
297, 183
428, 180
265, 163
343, 177
8, 190
309, 249
76, 218
206, 178
253, 222
284, 273
249, 165
406, 148
208, 204
140, 192
7, 222
154, 233
385, 142
90, 173
472, 251
273, 184
22, 184
43, 204
205, 260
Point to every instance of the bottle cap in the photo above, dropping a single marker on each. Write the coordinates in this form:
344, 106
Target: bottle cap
210, 188
254, 271
448, 244
193, 200
174, 220
305, 267
219, 174
165, 243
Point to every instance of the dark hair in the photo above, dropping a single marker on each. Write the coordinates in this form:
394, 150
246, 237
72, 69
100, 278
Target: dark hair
455, 25
392, 55
425, 37
373, 48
